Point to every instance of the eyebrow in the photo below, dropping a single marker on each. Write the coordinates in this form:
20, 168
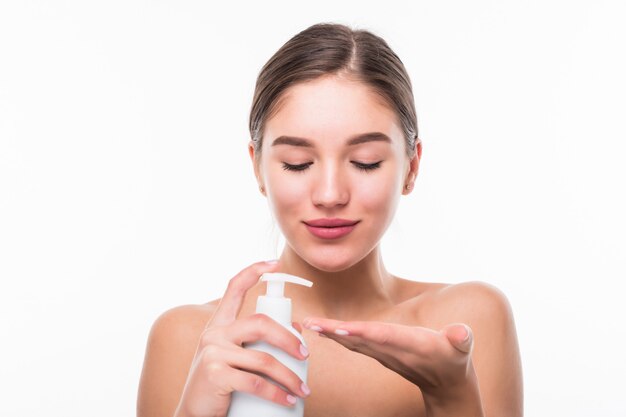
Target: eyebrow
354, 140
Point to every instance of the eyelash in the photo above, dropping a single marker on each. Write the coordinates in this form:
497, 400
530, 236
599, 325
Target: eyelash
303, 167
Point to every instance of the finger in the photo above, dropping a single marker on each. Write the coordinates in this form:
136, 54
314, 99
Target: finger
260, 363
374, 342
346, 331
460, 336
395, 335
261, 327
231, 302
257, 385
378, 331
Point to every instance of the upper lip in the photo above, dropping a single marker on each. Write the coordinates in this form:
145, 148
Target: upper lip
331, 222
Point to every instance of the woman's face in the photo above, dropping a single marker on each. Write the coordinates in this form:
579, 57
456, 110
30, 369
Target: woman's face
320, 175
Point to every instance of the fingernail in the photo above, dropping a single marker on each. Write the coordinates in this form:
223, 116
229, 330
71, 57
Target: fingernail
272, 262
305, 389
304, 351
315, 328
467, 330
342, 332
291, 399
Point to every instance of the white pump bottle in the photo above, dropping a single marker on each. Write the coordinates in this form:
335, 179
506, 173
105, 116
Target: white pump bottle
277, 307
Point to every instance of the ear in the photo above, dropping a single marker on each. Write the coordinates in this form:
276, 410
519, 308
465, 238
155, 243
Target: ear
414, 165
255, 165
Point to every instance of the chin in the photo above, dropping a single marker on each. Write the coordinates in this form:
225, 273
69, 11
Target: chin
328, 267
330, 259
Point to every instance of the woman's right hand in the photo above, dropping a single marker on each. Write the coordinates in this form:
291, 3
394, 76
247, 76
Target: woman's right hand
221, 365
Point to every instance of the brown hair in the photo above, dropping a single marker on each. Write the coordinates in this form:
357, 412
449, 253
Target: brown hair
327, 49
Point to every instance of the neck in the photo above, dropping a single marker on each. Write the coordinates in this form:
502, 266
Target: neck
353, 293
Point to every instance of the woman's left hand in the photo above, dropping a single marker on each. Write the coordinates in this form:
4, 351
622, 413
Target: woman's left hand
436, 361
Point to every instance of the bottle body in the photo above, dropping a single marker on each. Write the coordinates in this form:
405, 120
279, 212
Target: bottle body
247, 405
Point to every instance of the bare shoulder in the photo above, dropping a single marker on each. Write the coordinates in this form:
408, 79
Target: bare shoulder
474, 291
182, 322
495, 355
480, 305
185, 316
170, 350
179, 328
467, 302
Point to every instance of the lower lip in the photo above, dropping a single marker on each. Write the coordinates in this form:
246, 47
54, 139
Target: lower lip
330, 232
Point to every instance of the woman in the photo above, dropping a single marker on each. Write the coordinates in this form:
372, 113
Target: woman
334, 146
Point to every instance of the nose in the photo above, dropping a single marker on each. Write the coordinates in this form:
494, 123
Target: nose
330, 187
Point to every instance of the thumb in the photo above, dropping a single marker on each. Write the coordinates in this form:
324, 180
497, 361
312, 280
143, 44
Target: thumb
230, 304
460, 336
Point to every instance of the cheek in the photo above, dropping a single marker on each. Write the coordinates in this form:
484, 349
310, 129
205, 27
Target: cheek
285, 190
378, 195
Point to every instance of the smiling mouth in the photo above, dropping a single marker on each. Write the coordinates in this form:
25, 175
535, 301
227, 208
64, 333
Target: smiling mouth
331, 223
331, 232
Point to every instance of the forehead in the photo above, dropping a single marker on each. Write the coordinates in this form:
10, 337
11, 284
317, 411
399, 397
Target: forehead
331, 109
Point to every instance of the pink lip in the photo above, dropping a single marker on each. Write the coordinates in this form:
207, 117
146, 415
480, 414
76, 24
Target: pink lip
330, 228
331, 222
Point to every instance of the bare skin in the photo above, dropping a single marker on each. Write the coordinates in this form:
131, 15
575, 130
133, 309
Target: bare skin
344, 382
405, 354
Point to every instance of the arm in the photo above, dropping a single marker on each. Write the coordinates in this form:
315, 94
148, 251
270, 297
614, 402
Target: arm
466, 401
478, 376
495, 372
170, 350
196, 359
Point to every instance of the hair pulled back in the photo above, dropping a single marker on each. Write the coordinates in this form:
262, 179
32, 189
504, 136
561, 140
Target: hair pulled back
334, 49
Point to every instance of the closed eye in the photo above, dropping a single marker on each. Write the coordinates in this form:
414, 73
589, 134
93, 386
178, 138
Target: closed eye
300, 167
360, 166
367, 167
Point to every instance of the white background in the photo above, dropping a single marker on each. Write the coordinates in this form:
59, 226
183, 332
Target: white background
126, 188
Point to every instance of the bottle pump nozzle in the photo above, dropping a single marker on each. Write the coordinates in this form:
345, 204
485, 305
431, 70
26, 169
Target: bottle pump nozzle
274, 303
276, 282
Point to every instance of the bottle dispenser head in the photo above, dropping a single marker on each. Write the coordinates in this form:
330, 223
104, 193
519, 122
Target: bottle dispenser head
274, 303
276, 283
